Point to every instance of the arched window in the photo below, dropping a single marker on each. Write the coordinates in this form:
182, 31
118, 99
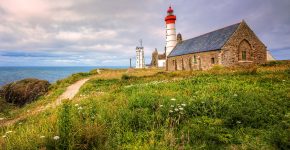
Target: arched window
245, 51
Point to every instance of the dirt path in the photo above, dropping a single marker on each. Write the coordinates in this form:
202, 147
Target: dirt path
70, 92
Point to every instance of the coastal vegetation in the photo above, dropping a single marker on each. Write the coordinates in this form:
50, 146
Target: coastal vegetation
222, 108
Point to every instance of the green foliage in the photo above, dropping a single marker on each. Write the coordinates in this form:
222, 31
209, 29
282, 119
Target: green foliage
127, 77
219, 109
65, 126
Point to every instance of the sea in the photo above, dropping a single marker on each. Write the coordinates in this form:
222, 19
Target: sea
51, 74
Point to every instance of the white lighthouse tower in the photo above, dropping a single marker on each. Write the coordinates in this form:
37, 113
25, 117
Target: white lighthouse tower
140, 62
170, 31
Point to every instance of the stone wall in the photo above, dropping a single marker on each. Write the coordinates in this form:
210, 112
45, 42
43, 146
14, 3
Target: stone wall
197, 61
243, 48
244, 39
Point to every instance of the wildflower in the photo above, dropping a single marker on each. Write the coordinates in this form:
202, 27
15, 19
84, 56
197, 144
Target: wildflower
4, 136
176, 109
183, 105
42, 137
235, 95
180, 108
161, 105
76, 105
80, 108
173, 99
239, 122
170, 111
56, 137
2, 119
172, 106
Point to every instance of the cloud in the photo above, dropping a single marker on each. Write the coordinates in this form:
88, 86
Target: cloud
97, 32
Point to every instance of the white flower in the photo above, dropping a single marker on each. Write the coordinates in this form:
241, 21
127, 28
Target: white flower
173, 99
172, 106
161, 105
80, 108
4, 136
180, 108
56, 137
176, 109
238, 122
235, 95
2, 119
42, 137
170, 111
183, 105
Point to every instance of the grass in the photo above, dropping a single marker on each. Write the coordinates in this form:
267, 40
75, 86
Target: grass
223, 108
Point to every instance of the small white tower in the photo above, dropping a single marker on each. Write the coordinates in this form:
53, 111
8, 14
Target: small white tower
171, 40
140, 62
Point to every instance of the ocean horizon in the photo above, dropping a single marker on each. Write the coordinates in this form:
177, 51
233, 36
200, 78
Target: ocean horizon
10, 74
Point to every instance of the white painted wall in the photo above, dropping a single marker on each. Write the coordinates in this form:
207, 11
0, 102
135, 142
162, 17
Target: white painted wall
162, 63
140, 61
171, 40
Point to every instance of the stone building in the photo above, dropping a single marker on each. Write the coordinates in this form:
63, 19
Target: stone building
233, 45
158, 60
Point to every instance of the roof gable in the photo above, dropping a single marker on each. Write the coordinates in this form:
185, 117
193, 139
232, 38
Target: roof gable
210, 41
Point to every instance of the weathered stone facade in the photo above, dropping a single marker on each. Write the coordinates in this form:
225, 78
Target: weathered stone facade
244, 40
197, 61
242, 48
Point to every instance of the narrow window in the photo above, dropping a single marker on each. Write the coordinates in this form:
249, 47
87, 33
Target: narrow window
212, 61
194, 59
244, 55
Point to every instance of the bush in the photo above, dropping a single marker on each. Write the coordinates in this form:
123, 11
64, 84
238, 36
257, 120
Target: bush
127, 77
24, 91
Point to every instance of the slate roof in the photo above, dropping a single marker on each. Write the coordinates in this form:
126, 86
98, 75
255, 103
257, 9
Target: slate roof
210, 41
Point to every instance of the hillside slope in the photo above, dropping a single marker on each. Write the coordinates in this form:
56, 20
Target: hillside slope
216, 109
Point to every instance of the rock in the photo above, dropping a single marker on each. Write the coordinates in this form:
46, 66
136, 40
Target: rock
24, 91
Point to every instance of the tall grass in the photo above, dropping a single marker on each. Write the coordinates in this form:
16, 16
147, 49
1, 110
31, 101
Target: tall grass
234, 108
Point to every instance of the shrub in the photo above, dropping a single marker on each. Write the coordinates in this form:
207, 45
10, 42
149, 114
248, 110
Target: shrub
24, 91
127, 77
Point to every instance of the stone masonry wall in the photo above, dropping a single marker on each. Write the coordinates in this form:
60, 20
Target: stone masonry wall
203, 61
244, 39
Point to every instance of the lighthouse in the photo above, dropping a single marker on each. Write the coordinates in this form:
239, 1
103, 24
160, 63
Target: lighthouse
140, 61
170, 31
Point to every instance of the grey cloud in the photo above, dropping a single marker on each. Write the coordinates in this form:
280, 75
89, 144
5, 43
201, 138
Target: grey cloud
82, 28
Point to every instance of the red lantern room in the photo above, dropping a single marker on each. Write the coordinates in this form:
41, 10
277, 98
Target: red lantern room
171, 18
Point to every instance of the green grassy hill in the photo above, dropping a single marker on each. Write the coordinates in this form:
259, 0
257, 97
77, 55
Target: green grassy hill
238, 108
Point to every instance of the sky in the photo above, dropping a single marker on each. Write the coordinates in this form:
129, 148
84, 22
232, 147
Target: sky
106, 33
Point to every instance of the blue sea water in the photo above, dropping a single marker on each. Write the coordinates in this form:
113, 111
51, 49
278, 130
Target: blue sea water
52, 74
